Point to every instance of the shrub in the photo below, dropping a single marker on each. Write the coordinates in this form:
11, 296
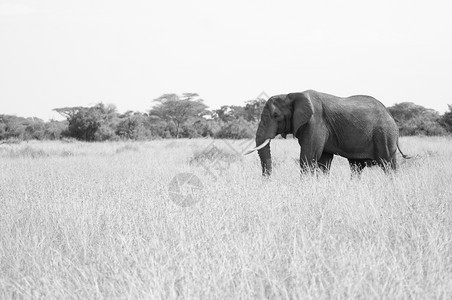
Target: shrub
237, 129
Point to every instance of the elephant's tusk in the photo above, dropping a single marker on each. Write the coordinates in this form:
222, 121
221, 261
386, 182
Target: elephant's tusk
258, 147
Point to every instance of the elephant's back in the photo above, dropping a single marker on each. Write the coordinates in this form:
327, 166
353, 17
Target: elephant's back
363, 101
359, 108
367, 105
354, 122
356, 101
375, 113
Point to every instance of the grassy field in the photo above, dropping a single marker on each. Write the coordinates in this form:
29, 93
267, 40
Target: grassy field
99, 220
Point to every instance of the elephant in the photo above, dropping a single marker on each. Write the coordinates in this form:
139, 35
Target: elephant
359, 128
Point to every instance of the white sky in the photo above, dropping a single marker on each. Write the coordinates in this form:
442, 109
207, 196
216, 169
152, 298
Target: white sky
56, 53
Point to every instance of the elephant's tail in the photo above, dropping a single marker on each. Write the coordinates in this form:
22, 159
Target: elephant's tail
403, 155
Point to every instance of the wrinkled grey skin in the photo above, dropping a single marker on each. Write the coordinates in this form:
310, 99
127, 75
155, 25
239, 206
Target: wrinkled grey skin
358, 128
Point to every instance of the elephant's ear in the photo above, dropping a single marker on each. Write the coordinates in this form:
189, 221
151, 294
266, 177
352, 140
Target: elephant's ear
302, 110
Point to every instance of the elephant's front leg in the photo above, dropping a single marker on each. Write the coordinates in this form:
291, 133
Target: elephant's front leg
311, 161
307, 163
324, 162
312, 157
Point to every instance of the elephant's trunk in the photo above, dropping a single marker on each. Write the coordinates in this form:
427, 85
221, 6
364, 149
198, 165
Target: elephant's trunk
266, 160
264, 153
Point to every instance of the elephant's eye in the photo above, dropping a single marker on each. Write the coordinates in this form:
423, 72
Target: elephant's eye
275, 115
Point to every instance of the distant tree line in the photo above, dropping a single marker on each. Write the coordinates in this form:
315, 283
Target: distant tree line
186, 116
414, 119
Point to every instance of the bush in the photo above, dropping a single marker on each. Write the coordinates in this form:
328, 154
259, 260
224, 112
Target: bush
104, 133
415, 119
420, 126
238, 129
446, 120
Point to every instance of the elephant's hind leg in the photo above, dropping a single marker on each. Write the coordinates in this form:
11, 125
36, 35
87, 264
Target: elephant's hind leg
357, 165
393, 162
388, 165
385, 145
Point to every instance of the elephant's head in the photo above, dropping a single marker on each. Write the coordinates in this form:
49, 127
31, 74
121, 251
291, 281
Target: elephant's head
282, 114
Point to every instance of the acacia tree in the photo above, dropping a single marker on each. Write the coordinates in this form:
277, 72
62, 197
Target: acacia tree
179, 109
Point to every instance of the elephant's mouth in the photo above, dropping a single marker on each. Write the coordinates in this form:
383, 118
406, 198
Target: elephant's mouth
258, 147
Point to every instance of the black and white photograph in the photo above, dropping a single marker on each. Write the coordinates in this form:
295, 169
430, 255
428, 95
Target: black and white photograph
225, 149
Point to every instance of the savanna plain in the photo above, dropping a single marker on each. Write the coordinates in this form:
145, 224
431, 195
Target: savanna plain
98, 220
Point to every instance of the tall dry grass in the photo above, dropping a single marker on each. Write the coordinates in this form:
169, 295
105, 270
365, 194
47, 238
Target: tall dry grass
84, 220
